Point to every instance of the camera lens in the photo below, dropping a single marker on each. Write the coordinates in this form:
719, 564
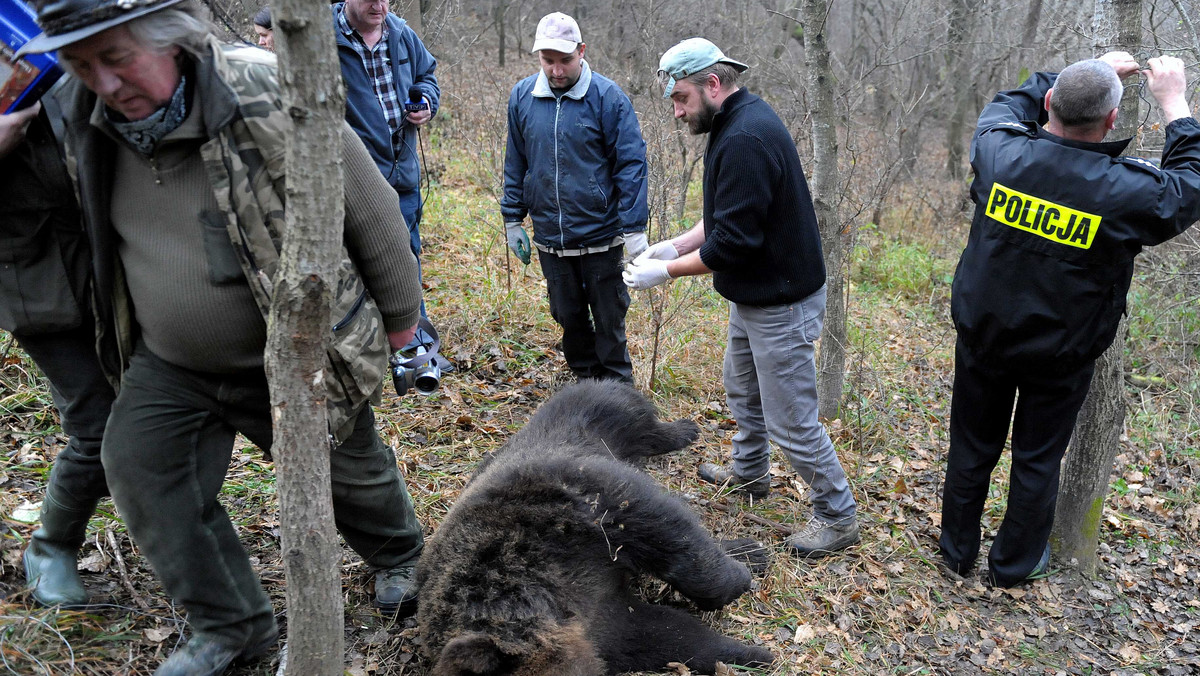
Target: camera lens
427, 379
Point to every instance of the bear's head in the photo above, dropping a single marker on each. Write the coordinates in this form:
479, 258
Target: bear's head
561, 651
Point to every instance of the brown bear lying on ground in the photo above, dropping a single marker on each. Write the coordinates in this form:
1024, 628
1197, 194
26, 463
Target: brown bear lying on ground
529, 573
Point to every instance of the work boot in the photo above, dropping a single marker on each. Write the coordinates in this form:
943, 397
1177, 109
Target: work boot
50, 560
820, 538
757, 488
205, 656
396, 590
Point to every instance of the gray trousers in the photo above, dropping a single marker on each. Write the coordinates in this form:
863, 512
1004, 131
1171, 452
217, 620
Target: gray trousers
167, 449
771, 387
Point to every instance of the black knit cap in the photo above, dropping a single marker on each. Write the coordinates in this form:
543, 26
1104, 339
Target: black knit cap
66, 21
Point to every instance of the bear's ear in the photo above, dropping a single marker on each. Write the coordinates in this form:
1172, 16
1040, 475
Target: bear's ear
473, 654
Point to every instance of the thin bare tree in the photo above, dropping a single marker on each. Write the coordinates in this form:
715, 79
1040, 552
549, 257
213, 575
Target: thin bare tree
1117, 26
826, 189
298, 335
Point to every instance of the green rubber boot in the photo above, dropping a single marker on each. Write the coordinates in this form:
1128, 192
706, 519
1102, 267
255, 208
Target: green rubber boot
50, 561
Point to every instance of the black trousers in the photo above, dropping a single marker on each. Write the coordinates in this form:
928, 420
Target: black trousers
1047, 405
594, 345
83, 397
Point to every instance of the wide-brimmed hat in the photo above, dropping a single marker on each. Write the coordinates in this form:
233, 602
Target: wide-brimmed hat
691, 56
66, 21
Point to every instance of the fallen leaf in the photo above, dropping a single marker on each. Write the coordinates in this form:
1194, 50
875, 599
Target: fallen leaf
27, 512
157, 634
804, 633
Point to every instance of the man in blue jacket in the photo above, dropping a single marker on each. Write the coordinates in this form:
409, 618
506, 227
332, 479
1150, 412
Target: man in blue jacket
576, 165
384, 65
1041, 285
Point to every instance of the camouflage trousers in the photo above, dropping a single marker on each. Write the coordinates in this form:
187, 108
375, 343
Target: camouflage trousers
167, 449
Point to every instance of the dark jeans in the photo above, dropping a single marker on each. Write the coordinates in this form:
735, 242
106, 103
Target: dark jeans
594, 345
166, 454
980, 410
410, 206
83, 398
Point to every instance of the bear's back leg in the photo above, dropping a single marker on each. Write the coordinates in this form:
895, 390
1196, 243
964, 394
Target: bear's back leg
637, 636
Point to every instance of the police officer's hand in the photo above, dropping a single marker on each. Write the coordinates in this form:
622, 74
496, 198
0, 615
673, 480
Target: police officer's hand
518, 241
1167, 82
635, 243
1122, 62
645, 273
13, 126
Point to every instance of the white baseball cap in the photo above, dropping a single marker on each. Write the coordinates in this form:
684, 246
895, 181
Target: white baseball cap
557, 32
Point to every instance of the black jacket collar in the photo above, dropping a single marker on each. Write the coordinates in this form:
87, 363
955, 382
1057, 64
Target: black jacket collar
1110, 148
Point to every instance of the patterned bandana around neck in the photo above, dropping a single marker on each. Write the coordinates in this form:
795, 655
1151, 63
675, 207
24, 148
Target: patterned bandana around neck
145, 134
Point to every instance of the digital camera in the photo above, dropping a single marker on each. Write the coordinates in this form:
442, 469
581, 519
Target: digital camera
411, 371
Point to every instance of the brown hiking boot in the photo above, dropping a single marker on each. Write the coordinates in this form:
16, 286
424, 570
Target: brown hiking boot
757, 488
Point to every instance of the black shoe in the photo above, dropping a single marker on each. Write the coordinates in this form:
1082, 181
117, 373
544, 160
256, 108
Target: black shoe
445, 364
203, 656
713, 473
1041, 570
396, 590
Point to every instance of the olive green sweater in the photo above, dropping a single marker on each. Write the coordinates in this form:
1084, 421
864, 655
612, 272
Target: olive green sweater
192, 303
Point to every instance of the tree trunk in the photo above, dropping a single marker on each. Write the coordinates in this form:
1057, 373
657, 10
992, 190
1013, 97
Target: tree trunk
825, 186
501, 9
298, 334
957, 68
1089, 463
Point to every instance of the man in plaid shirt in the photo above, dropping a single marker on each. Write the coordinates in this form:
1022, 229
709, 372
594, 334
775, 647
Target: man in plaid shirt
384, 64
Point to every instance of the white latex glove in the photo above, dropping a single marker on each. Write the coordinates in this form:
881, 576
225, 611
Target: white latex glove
663, 251
645, 273
635, 243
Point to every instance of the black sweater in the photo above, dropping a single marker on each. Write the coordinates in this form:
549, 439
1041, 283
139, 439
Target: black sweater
761, 237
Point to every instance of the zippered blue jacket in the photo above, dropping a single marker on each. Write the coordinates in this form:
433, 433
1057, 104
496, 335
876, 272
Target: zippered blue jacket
412, 66
575, 164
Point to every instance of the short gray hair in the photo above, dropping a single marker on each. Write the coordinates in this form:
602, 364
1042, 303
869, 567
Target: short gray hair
184, 25
1085, 93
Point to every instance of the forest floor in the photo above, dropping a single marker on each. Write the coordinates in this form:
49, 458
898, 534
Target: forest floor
881, 607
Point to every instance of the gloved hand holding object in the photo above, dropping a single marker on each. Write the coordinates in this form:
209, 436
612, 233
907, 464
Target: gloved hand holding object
662, 251
645, 273
518, 241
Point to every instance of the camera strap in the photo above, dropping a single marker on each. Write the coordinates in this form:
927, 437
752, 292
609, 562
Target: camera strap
431, 351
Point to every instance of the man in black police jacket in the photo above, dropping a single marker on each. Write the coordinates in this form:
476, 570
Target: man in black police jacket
1041, 286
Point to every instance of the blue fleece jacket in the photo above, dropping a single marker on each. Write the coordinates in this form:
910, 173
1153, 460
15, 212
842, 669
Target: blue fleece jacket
575, 163
412, 66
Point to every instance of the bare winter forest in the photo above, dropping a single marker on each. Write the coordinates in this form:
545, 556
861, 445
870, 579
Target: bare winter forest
881, 97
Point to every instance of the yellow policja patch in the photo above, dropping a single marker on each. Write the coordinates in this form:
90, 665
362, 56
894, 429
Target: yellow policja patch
1044, 218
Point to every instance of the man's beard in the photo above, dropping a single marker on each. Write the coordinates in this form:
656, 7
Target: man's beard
701, 123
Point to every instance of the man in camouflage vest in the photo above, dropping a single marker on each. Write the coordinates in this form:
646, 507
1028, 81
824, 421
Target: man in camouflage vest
177, 147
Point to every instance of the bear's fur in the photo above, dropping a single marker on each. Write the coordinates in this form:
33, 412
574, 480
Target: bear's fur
529, 573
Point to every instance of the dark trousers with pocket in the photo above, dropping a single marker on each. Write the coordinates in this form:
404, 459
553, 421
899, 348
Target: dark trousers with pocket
168, 447
83, 397
1047, 404
589, 300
